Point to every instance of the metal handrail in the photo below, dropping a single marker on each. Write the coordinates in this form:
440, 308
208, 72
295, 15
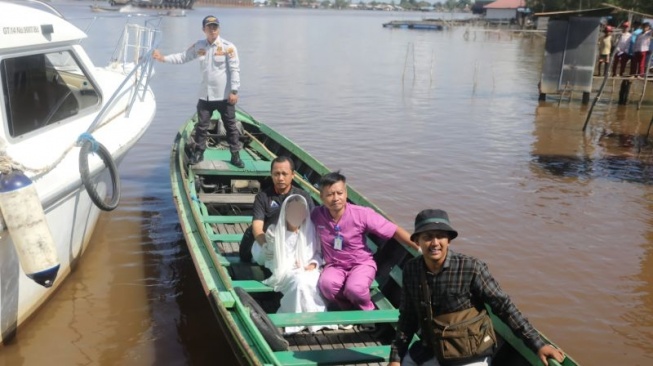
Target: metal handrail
142, 72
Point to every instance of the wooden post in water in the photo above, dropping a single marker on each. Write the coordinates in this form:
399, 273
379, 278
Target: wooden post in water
586, 98
562, 95
646, 69
624, 91
598, 95
649, 128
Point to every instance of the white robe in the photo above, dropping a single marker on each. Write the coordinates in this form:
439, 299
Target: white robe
298, 286
286, 254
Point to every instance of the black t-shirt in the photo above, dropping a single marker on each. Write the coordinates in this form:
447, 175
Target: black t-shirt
268, 203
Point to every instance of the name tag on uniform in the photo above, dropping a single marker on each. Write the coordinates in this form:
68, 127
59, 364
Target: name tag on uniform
337, 243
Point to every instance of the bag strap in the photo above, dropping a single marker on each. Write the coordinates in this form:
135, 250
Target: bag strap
426, 295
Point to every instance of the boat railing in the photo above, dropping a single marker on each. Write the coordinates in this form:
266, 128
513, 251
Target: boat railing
133, 57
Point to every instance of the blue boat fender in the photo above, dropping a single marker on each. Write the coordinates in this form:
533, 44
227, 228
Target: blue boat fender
25, 219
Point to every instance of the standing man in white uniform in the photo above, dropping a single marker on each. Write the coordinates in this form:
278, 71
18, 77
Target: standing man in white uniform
220, 70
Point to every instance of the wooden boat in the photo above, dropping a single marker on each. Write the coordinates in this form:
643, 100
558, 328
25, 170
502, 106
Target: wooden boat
214, 200
103, 9
415, 24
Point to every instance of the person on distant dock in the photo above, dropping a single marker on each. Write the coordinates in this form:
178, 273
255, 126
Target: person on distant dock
623, 46
641, 48
220, 70
634, 62
605, 47
342, 227
444, 294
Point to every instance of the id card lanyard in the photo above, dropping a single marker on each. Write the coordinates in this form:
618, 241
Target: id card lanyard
337, 241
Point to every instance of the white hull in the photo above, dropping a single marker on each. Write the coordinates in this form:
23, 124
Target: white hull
72, 220
49, 156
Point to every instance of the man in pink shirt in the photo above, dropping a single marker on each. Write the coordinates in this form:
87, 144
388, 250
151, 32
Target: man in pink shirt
342, 227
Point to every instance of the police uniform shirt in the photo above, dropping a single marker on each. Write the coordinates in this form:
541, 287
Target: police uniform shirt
219, 66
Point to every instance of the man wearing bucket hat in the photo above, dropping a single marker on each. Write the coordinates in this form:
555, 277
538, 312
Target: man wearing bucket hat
220, 70
444, 295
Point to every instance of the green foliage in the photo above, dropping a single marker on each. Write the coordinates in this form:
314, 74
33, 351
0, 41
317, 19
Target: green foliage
645, 6
408, 4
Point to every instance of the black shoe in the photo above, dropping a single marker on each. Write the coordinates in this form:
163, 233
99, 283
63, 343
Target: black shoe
235, 160
196, 157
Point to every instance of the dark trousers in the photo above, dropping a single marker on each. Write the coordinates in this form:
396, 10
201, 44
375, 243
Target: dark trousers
620, 60
227, 113
638, 63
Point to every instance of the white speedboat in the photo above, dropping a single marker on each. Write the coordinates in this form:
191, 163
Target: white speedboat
66, 125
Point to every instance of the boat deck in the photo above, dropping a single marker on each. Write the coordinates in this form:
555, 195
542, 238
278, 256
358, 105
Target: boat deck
226, 217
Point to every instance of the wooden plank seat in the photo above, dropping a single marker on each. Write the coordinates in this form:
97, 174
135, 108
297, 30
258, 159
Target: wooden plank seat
335, 317
257, 286
227, 198
227, 238
227, 219
351, 355
397, 274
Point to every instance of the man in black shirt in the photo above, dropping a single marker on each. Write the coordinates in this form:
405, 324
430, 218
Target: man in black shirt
268, 202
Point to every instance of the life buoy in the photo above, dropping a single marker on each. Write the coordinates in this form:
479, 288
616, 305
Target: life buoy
91, 146
260, 318
25, 219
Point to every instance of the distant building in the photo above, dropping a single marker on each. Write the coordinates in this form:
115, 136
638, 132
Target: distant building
504, 9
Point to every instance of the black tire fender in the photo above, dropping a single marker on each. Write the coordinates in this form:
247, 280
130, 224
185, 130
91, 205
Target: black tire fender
88, 147
260, 318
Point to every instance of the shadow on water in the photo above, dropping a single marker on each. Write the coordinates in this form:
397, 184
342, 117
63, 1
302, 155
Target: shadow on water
617, 168
617, 150
637, 326
175, 294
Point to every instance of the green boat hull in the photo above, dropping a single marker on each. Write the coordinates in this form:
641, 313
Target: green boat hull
212, 222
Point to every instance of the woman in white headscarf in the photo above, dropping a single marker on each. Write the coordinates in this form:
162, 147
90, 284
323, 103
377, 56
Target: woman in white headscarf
292, 253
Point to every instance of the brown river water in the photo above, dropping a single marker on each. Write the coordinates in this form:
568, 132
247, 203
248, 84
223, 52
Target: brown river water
415, 120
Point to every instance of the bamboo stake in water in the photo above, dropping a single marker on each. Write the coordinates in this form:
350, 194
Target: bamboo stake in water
598, 95
646, 68
403, 74
475, 78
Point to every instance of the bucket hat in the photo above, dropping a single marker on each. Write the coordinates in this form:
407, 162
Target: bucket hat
431, 219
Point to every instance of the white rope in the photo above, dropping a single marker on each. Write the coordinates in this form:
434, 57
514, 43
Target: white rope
8, 164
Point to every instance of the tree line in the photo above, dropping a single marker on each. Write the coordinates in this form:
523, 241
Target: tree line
642, 6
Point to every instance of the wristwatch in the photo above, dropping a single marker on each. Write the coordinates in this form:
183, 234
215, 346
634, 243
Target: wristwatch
234, 92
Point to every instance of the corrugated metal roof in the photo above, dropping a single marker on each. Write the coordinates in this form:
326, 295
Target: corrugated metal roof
506, 4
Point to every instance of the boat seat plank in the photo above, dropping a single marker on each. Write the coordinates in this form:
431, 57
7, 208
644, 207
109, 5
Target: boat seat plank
370, 244
335, 356
217, 162
227, 219
229, 238
226, 198
252, 286
335, 317
397, 274
257, 286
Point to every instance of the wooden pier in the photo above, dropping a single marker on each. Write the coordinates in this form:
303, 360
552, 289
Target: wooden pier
622, 90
